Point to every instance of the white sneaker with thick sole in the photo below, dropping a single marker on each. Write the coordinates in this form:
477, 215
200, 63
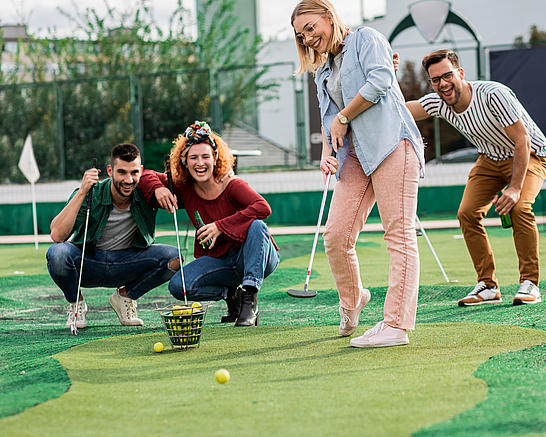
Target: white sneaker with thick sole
80, 320
481, 294
527, 293
349, 318
125, 308
381, 335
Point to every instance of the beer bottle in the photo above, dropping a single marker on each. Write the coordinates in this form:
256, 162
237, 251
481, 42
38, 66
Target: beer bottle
200, 224
506, 220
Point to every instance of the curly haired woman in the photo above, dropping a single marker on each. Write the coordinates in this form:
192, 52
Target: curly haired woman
234, 247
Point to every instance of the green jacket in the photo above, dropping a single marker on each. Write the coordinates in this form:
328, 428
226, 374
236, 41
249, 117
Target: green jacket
99, 212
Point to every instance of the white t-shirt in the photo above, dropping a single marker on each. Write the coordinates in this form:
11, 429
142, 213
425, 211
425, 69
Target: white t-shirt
493, 107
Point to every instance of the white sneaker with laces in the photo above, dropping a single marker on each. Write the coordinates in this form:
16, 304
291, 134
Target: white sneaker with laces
80, 320
527, 293
349, 318
125, 308
381, 335
481, 294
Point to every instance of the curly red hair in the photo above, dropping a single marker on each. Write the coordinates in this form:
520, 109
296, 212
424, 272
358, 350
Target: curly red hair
180, 173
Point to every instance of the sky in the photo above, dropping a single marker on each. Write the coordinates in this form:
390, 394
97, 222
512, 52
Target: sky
273, 20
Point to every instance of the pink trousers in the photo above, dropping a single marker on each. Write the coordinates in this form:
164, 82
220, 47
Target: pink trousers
393, 185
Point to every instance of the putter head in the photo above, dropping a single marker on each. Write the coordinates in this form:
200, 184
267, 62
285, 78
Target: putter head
73, 329
301, 293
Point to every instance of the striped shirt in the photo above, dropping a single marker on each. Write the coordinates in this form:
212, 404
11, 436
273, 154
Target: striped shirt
493, 107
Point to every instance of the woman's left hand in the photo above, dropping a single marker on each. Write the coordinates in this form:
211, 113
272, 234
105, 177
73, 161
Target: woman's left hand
337, 133
208, 232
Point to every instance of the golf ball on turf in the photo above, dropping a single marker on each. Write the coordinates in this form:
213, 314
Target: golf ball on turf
221, 376
158, 347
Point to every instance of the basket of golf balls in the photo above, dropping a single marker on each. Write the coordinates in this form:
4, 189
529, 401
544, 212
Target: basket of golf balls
184, 324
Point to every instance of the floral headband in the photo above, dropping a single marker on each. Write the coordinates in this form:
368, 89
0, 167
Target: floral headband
197, 133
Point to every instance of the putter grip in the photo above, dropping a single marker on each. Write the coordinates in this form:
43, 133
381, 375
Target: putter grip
90, 194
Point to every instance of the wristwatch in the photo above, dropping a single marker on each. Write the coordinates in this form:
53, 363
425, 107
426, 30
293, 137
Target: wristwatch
342, 118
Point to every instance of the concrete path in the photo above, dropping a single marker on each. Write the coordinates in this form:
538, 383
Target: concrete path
288, 230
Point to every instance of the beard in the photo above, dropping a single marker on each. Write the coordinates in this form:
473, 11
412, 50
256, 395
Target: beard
454, 99
118, 187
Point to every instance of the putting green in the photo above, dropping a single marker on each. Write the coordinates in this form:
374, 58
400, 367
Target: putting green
285, 380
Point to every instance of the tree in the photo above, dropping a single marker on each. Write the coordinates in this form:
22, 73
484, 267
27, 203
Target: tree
536, 37
125, 79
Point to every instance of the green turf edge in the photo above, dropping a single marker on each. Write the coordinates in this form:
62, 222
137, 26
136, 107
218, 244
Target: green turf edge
132, 353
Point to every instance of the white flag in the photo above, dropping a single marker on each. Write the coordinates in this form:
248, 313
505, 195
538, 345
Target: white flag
429, 17
27, 162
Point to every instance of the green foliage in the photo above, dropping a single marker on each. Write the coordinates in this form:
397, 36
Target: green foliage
536, 38
124, 79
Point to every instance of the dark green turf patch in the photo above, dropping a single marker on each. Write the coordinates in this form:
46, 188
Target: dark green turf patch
517, 390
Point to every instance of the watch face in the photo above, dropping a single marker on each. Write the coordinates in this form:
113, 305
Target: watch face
342, 119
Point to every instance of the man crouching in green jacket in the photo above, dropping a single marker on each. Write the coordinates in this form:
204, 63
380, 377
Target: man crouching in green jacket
119, 251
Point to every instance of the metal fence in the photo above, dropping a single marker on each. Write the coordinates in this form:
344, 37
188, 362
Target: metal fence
73, 121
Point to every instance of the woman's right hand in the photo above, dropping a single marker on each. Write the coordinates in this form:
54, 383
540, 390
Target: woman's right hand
328, 164
166, 199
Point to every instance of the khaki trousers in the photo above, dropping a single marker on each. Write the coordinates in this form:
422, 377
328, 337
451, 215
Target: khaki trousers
394, 186
486, 178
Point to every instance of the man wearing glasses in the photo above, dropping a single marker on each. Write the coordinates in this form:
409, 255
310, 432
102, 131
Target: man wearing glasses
512, 151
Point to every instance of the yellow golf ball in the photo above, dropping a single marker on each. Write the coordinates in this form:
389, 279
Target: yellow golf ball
158, 347
221, 376
196, 307
177, 310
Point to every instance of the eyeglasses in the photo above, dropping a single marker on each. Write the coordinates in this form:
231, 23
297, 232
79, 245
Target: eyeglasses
307, 31
448, 77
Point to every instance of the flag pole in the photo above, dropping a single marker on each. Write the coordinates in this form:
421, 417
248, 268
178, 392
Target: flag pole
34, 217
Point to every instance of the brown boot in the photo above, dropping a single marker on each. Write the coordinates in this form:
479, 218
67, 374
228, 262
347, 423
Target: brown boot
233, 301
249, 315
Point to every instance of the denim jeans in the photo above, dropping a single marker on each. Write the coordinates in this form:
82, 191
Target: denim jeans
140, 270
208, 278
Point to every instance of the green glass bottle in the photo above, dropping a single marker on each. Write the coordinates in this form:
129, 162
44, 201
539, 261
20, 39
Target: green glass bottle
506, 220
200, 224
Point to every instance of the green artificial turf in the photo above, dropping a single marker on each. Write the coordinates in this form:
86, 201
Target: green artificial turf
32, 333
284, 381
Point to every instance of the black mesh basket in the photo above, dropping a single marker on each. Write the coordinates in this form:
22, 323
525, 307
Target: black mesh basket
184, 325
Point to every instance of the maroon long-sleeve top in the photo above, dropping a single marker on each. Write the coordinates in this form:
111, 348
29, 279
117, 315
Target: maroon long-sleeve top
233, 210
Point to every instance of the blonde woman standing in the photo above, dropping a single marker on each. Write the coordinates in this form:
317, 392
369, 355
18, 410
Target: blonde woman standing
379, 158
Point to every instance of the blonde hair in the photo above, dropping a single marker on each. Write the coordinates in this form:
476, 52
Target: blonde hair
180, 172
310, 59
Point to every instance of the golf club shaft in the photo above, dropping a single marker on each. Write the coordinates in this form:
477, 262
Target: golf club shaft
74, 328
432, 249
319, 221
180, 256
171, 189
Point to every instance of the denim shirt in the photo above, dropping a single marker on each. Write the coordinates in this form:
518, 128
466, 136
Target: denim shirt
143, 215
367, 69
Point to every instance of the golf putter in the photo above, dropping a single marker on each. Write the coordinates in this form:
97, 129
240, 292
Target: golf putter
170, 182
73, 328
306, 293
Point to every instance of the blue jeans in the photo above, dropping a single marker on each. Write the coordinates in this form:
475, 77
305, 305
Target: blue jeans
208, 278
139, 270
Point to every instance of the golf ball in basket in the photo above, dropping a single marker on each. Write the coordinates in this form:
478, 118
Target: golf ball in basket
196, 307
158, 347
177, 310
221, 376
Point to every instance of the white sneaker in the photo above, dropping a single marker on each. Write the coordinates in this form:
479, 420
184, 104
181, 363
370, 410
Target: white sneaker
80, 320
381, 335
527, 293
481, 294
125, 308
349, 318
